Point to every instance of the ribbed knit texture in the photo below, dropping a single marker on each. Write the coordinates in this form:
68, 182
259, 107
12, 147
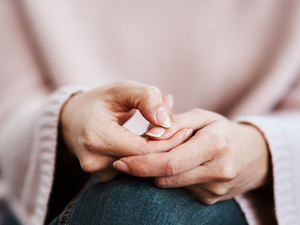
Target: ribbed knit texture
237, 58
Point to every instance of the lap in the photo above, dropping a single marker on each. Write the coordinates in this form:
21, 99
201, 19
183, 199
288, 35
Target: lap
132, 200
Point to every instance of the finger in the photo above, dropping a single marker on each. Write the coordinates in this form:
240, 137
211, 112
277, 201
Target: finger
197, 175
213, 172
147, 99
194, 119
196, 151
156, 133
200, 183
128, 144
98, 164
212, 192
91, 162
107, 175
202, 195
168, 103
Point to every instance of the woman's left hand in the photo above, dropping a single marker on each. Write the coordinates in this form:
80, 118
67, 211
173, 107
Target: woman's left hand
223, 158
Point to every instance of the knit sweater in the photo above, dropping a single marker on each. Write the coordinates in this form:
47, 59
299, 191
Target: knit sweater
237, 58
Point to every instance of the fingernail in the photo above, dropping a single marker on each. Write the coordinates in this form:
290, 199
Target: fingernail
163, 118
119, 165
156, 132
188, 134
171, 100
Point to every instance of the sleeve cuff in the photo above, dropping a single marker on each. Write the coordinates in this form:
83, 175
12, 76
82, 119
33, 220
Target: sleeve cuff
39, 179
275, 131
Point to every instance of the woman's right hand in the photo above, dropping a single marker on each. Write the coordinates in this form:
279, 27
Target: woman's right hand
91, 126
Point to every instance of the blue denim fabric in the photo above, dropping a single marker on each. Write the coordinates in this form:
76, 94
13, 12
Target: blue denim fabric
8, 217
132, 200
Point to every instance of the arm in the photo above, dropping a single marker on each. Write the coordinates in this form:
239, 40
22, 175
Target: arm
225, 159
281, 130
30, 113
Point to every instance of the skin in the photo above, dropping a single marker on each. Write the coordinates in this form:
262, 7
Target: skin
91, 126
221, 160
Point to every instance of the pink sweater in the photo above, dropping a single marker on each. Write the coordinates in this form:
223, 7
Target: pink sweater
237, 58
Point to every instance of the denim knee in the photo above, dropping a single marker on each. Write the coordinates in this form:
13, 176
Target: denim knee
131, 200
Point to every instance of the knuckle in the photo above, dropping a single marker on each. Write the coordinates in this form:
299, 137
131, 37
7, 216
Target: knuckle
219, 190
105, 178
143, 148
95, 140
90, 166
125, 83
208, 136
197, 111
227, 172
86, 167
118, 88
221, 144
90, 142
142, 171
150, 92
88, 136
177, 121
138, 169
207, 198
172, 167
209, 201
161, 182
101, 166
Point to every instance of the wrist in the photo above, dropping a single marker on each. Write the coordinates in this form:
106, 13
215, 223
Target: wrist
257, 144
64, 147
66, 123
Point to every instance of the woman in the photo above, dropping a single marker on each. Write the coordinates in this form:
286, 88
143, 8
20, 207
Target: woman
238, 62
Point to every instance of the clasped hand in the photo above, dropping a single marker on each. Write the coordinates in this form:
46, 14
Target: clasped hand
91, 126
220, 160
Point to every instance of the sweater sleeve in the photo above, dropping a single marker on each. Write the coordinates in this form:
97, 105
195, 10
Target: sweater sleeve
281, 130
29, 116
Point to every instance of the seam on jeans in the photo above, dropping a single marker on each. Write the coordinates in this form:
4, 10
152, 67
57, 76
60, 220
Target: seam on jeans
70, 210
62, 215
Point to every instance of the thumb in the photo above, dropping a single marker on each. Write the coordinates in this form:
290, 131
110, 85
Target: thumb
147, 99
168, 103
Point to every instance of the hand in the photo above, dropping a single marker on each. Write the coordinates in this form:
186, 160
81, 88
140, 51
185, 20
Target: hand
91, 125
223, 158
168, 101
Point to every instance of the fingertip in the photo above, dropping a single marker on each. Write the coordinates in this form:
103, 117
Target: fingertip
162, 117
121, 166
156, 132
188, 134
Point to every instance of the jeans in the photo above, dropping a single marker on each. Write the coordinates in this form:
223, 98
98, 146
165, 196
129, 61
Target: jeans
132, 200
